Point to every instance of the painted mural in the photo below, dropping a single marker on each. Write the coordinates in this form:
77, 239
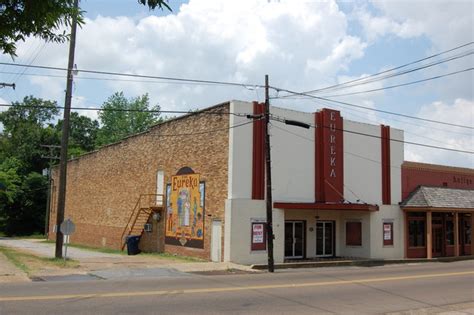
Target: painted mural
185, 211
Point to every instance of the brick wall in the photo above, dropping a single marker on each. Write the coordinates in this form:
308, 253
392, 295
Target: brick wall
415, 174
104, 186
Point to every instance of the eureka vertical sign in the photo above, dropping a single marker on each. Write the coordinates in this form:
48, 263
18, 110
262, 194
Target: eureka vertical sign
329, 156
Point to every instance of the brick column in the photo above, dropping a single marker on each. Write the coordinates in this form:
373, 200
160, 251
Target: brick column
456, 234
429, 233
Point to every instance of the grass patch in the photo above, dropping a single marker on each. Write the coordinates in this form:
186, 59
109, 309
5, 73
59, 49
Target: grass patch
30, 263
174, 257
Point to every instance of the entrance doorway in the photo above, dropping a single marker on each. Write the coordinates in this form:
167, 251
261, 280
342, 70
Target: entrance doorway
216, 241
325, 238
294, 239
437, 241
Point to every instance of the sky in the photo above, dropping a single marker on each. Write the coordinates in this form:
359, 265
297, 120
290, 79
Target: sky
301, 45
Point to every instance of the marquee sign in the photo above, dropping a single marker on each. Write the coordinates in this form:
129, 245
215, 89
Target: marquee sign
185, 211
329, 156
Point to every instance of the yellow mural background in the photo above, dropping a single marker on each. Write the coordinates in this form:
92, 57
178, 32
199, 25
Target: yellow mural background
185, 215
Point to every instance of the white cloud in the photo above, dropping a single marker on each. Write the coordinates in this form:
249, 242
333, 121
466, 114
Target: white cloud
461, 112
376, 26
299, 44
446, 23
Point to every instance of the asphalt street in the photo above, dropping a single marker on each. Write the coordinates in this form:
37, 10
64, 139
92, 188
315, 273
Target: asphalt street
427, 288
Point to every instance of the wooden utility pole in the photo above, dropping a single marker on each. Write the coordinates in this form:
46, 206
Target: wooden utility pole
65, 138
51, 157
268, 166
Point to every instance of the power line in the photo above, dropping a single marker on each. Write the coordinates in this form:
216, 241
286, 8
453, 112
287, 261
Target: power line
372, 109
391, 139
402, 84
390, 70
206, 131
349, 110
129, 110
79, 77
135, 75
388, 76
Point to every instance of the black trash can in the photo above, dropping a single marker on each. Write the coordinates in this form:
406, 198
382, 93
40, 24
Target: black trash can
132, 244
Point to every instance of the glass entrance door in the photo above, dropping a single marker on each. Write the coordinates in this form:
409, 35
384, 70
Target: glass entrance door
324, 238
294, 239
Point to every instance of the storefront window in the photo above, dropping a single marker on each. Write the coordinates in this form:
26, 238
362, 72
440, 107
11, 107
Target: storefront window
467, 230
417, 233
449, 232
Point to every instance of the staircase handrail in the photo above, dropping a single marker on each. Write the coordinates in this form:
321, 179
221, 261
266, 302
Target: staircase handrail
136, 210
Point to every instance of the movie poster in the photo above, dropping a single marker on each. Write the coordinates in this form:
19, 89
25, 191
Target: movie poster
185, 211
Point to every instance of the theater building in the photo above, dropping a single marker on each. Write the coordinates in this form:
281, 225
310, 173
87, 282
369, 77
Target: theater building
195, 186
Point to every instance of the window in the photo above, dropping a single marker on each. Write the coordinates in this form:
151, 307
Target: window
354, 233
416, 232
466, 230
449, 232
388, 233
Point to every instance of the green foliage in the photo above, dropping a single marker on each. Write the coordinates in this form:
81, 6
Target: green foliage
24, 214
46, 19
152, 4
28, 125
82, 134
122, 117
25, 128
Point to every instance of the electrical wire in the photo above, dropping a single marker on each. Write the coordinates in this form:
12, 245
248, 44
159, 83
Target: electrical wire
130, 110
135, 75
391, 139
207, 131
349, 110
389, 70
79, 77
402, 84
374, 109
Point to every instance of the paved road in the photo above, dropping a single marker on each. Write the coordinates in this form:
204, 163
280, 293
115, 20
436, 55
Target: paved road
446, 288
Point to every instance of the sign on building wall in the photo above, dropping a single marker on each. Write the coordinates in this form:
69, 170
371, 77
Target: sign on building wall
329, 156
185, 211
387, 233
259, 239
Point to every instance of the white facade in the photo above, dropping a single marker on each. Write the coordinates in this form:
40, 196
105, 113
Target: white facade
293, 154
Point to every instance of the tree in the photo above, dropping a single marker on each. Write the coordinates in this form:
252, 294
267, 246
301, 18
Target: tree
122, 117
26, 126
22, 210
82, 135
46, 19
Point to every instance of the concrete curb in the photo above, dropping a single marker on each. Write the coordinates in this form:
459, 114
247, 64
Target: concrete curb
360, 263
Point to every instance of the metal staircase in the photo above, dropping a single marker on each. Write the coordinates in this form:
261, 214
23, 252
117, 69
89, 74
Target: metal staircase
146, 205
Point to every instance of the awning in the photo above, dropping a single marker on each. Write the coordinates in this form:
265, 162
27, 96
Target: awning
325, 206
439, 198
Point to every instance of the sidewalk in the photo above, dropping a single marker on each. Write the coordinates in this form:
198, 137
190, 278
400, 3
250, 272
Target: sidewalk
115, 266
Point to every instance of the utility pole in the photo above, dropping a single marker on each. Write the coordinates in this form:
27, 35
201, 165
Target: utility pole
65, 138
271, 265
51, 157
